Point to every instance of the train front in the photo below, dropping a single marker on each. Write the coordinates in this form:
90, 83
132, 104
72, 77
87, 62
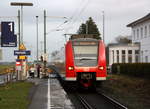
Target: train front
85, 62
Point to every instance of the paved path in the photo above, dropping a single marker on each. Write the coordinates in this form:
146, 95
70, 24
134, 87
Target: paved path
39, 99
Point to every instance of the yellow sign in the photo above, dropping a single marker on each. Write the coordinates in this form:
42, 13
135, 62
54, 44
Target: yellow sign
22, 57
22, 47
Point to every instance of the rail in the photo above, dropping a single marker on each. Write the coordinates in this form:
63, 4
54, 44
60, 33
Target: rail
112, 101
84, 102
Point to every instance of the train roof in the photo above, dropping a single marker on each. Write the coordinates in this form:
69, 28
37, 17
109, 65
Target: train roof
83, 37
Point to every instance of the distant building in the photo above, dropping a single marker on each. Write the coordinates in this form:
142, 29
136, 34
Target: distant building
141, 34
123, 53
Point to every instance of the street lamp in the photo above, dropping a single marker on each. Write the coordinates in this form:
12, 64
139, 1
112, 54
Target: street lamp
20, 19
37, 37
21, 4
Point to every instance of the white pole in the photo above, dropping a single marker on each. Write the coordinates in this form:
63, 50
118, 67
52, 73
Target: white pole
103, 26
37, 37
21, 24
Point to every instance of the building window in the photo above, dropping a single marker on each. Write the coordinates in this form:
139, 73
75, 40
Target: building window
129, 51
137, 55
136, 51
117, 56
142, 32
123, 51
137, 33
130, 56
146, 58
145, 31
134, 34
123, 56
136, 58
141, 56
113, 56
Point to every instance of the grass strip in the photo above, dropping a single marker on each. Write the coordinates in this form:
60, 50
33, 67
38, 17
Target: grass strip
15, 95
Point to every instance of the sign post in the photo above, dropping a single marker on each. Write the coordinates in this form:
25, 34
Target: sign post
8, 38
22, 56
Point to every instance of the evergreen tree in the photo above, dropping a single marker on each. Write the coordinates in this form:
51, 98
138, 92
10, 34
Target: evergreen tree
92, 28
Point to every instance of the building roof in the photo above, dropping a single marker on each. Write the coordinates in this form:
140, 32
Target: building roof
143, 19
123, 44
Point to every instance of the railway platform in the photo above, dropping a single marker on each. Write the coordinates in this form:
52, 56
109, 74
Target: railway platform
48, 94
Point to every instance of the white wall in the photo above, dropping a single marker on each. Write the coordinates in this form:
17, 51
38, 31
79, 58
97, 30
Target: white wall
144, 40
113, 57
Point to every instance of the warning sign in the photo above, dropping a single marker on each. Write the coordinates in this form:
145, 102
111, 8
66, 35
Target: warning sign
22, 47
18, 63
22, 57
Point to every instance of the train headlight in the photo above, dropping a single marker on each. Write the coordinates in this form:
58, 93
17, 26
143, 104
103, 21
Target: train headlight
101, 68
70, 68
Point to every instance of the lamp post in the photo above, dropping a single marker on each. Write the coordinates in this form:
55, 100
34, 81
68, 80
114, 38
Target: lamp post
37, 38
21, 4
21, 74
45, 42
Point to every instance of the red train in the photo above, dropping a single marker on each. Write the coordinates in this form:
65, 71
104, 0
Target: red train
85, 61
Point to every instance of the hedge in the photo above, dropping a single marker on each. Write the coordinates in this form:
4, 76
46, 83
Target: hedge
133, 69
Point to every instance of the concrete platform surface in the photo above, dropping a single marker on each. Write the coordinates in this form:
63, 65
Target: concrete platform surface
48, 94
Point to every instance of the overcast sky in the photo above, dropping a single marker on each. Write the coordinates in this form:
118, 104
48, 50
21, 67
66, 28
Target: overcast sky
118, 13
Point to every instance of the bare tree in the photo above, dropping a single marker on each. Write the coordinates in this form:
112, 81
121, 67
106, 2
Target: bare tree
123, 39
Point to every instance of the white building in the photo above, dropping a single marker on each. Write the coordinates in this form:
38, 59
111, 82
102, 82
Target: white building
123, 53
141, 34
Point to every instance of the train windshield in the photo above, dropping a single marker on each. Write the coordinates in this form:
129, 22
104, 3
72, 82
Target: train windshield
85, 54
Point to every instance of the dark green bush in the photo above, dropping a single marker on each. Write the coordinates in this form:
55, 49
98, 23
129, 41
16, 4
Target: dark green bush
133, 69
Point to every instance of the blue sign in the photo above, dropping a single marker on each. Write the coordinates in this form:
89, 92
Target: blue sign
17, 52
8, 38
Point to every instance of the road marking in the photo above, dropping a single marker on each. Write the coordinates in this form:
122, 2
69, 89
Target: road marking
48, 96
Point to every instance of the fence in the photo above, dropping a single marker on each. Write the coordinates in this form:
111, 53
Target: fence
9, 76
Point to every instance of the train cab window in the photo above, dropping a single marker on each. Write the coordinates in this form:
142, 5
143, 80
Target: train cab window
86, 54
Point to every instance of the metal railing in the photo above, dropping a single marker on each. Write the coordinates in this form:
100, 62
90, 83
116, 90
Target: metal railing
7, 77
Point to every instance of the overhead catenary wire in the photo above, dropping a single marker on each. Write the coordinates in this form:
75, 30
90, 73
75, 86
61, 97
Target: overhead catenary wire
75, 11
73, 19
80, 13
3, 17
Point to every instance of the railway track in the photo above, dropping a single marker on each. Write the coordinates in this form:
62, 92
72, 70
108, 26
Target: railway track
92, 100
97, 101
112, 101
85, 104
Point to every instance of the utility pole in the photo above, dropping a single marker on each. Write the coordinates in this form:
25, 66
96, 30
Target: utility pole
45, 41
18, 72
18, 28
37, 55
103, 26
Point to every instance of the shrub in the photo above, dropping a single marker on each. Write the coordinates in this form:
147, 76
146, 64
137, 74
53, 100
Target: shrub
133, 69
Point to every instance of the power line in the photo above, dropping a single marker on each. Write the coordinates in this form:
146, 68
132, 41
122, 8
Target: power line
81, 11
74, 17
2, 17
